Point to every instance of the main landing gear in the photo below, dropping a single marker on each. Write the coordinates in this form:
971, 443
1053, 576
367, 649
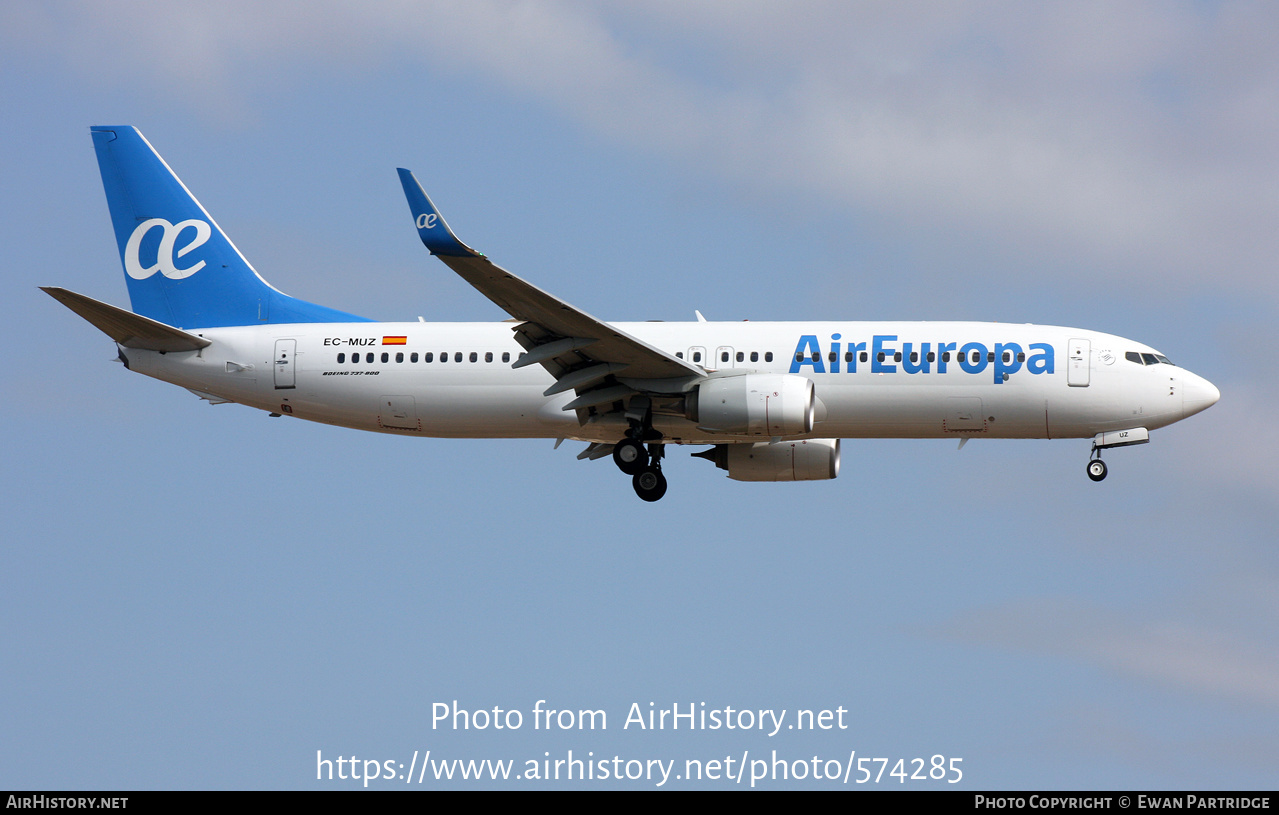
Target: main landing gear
644, 466
629, 456
649, 483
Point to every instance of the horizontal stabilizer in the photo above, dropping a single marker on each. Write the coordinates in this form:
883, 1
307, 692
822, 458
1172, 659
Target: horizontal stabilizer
129, 329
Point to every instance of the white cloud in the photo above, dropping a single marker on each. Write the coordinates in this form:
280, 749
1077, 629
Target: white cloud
1135, 138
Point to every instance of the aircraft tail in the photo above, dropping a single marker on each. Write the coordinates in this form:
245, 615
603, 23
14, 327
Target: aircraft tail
182, 270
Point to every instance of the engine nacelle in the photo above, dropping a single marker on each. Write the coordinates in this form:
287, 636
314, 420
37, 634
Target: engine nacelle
754, 405
807, 460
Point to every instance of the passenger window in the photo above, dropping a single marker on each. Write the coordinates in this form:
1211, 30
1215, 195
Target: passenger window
768, 356
799, 357
457, 356
741, 357
723, 356
475, 357
816, 356
830, 357
881, 356
444, 356
506, 356
679, 354
428, 357
488, 356
1008, 356
399, 356
945, 356
932, 357
341, 358
848, 356
368, 357
864, 356
754, 356
990, 356
914, 356
697, 356
1021, 356
413, 357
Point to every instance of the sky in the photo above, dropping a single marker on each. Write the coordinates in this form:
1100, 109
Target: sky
202, 597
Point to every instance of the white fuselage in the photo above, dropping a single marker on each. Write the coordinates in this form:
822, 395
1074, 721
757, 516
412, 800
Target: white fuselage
1015, 381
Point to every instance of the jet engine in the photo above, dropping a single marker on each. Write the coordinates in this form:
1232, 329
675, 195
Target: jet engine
807, 460
754, 405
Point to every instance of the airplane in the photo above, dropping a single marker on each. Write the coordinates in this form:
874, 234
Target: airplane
771, 399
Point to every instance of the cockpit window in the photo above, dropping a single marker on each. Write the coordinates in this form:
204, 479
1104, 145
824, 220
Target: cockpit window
1147, 359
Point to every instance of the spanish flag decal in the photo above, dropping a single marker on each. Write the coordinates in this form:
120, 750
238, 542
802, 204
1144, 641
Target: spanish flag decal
395, 340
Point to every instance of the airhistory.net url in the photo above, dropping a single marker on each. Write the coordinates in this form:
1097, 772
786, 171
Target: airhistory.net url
422, 769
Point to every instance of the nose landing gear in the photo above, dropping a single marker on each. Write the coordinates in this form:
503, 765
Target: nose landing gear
1097, 469
1109, 439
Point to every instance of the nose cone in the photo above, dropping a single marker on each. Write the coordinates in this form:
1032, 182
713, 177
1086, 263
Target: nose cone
1197, 394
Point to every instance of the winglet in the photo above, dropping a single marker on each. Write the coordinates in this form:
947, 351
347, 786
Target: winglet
431, 228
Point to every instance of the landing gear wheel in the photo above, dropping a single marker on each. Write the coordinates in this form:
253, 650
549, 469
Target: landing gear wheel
1096, 469
629, 456
649, 484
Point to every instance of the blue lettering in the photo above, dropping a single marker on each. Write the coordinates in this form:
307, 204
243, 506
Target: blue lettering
808, 352
1041, 363
943, 354
972, 358
910, 367
877, 367
1006, 369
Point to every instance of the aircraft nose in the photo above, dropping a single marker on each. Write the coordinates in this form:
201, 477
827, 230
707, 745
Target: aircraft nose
1197, 394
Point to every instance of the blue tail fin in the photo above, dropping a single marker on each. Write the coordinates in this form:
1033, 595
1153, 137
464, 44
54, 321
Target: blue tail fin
181, 269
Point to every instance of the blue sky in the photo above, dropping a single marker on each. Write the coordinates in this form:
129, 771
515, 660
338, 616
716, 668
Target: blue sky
199, 596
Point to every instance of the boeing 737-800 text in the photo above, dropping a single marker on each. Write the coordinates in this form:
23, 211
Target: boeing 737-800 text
772, 399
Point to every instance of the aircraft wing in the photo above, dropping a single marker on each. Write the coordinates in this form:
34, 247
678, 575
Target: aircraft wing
580, 351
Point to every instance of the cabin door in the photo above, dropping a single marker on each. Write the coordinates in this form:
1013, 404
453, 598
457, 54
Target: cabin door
285, 350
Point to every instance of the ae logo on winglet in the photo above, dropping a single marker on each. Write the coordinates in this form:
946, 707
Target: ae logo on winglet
167, 253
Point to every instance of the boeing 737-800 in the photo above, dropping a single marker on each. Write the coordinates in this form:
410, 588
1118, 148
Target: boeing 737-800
772, 399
